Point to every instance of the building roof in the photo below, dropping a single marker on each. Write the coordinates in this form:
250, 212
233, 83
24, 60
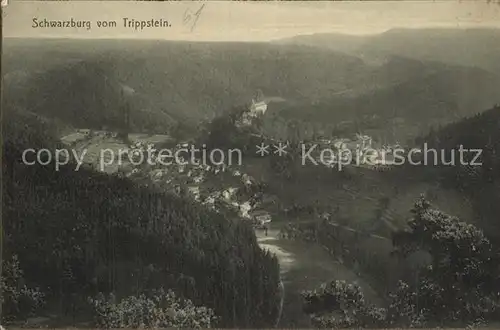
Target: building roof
258, 106
258, 213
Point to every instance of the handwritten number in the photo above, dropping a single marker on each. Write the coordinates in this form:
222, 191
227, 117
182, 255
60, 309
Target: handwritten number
192, 17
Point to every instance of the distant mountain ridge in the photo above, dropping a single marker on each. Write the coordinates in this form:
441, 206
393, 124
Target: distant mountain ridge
188, 83
470, 47
425, 96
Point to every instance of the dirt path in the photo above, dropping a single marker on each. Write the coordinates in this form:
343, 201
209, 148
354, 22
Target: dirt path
305, 266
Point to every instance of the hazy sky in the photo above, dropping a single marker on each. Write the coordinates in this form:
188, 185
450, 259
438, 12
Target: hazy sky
246, 21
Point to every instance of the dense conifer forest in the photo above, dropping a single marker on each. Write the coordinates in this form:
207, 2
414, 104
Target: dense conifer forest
76, 235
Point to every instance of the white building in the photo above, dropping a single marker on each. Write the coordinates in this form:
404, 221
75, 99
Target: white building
365, 141
340, 144
258, 108
260, 217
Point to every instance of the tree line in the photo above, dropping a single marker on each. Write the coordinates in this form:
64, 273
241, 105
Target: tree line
457, 287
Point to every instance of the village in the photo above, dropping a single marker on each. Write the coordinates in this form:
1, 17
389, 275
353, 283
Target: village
191, 179
361, 148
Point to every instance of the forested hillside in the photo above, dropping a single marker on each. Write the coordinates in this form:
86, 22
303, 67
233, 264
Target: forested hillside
469, 47
83, 248
188, 83
430, 94
456, 286
480, 183
78, 235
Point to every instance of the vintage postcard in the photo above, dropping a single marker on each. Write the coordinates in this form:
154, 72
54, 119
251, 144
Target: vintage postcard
250, 164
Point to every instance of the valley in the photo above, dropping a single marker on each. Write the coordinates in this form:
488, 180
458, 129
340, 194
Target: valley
305, 266
350, 247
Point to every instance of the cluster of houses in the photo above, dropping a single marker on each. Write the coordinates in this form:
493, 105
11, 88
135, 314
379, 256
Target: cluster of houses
189, 178
184, 177
362, 145
139, 145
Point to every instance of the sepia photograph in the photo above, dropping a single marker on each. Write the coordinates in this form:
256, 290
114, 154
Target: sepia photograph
219, 164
